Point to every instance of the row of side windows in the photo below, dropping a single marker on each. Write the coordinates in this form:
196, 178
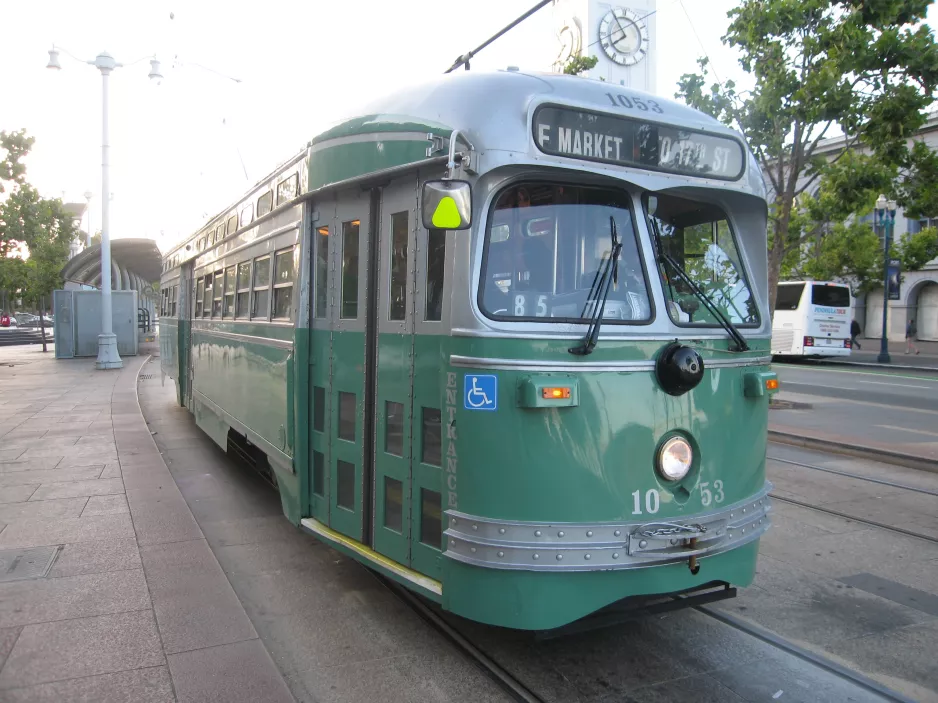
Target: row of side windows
287, 190
348, 280
168, 301
245, 290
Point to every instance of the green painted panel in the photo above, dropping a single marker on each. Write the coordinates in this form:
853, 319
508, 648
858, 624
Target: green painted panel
337, 163
381, 124
320, 424
531, 600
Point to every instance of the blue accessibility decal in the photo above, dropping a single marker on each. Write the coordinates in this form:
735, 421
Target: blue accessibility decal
481, 392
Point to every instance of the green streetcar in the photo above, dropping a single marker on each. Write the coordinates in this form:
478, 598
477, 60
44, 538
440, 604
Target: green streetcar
504, 338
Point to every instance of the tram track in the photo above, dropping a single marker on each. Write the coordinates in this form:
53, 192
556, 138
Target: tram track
511, 685
859, 477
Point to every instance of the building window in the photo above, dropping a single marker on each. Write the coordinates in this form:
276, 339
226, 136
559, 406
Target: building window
219, 291
228, 310
436, 260
397, 300
286, 190
264, 203
244, 289
261, 288
231, 226
350, 270
283, 284
322, 271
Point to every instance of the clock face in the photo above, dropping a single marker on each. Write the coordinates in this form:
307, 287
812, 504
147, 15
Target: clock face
624, 36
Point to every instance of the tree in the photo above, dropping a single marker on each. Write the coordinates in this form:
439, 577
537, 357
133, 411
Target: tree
35, 232
578, 64
867, 69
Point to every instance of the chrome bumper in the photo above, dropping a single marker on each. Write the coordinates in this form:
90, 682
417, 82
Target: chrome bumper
530, 546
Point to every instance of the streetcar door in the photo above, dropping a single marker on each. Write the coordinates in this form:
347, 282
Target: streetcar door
392, 337
344, 383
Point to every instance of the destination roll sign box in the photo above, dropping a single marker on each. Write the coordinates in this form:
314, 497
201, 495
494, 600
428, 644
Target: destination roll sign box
591, 136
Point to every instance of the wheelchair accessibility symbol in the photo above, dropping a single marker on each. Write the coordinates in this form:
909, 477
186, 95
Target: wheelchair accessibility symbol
481, 392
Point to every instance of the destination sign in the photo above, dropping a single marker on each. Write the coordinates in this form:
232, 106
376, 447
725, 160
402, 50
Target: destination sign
628, 142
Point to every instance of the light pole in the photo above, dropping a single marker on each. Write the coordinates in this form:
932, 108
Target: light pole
108, 358
885, 218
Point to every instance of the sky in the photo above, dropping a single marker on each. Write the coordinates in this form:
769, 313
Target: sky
186, 148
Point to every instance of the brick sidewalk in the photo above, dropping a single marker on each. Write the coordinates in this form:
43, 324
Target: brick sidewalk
108, 590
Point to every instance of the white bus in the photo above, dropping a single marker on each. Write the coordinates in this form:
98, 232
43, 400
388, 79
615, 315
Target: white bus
812, 318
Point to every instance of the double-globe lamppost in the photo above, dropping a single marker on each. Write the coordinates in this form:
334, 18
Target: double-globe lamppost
885, 219
108, 358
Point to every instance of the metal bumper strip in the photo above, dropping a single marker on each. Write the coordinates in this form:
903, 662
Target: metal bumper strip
529, 546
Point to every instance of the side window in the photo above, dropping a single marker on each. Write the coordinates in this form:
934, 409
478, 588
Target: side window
207, 297
172, 310
199, 291
286, 190
283, 284
261, 288
397, 300
231, 226
322, 272
228, 309
244, 290
247, 215
350, 270
264, 203
436, 260
219, 291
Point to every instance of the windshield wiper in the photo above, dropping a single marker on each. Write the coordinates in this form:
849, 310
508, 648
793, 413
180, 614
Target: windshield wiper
607, 274
725, 322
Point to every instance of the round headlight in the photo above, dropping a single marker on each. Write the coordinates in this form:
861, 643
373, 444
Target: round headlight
675, 458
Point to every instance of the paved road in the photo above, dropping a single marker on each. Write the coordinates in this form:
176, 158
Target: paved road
869, 407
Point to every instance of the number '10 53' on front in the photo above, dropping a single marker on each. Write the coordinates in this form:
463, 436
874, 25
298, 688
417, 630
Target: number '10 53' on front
626, 141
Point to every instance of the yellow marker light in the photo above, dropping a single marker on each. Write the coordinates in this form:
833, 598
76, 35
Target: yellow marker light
446, 215
771, 384
555, 393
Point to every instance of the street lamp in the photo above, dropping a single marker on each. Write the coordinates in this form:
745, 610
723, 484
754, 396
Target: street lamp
885, 218
108, 358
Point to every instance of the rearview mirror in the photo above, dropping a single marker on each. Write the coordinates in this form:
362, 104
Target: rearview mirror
447, 205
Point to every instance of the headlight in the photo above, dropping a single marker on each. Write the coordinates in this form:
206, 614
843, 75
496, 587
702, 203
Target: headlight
675, 458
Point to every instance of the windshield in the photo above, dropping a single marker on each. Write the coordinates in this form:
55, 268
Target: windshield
788, 296
699, 238
830, 296
545, 244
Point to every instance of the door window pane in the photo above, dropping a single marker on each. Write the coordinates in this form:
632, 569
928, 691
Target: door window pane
347, 416
322, 271
397, 301
431, 437
319, 471
394, 428
345, 491
436, 257
350, 270
261, 287
431, 524
393, 504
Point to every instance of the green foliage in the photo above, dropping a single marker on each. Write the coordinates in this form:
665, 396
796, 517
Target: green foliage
40, 225
916, 250
869, 69
578, 64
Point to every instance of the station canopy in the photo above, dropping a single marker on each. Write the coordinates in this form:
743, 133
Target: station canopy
140, 258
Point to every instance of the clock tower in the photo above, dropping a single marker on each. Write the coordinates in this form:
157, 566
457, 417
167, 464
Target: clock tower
621, 34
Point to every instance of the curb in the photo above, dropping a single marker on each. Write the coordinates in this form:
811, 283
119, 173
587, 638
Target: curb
856, 450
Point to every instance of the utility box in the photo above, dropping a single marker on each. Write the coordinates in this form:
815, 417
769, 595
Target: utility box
78, 320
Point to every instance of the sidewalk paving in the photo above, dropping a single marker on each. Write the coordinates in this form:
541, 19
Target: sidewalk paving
869, 351
108, 589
